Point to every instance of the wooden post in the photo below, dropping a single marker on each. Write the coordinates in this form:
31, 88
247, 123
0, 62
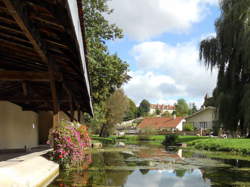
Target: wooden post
71, 109
79, 114
56, 119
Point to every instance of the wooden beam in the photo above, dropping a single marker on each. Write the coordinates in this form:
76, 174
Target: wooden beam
8, 28
16, 9
27, 76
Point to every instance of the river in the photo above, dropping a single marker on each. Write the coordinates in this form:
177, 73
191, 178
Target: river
153, 166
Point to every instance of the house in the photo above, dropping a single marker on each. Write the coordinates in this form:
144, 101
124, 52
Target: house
203, 119
161, 108
43, 70
162, 123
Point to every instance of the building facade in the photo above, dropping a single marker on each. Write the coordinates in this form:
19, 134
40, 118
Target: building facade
161, 108
203, 119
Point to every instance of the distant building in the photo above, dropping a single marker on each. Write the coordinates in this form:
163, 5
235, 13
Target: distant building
203, 119
162, 123
161, 108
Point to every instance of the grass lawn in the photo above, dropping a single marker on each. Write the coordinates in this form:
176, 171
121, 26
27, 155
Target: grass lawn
110, 139
158, 139
227, 145
189, 139
198, 142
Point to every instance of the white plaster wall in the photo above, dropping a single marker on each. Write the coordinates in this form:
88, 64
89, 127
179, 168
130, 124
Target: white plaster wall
17, 128
204, 116
180, 125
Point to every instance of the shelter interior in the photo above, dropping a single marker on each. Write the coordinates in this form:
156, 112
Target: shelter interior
43, 68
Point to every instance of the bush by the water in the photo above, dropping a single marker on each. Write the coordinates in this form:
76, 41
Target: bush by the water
189, 127
170, 140
69, 141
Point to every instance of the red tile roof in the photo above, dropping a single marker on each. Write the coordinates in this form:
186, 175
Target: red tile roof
160, 122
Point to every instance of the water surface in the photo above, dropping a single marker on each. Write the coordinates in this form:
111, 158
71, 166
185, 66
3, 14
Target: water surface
154, 166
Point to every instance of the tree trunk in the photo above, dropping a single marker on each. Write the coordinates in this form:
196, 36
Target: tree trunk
103, 132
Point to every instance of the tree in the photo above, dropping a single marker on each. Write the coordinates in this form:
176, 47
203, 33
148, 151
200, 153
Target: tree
107, 71
144, 108
192, 109
116, 106
229, 52
158, 112
166, 114
181, 108
131, 113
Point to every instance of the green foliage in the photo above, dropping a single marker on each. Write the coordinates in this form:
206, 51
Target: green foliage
229, 52
107, 72
94, 123
226, 145
166, 114
144, 108
116, 106
131, 112
158, 112
188, 127
193, 109
181, 108
170, 140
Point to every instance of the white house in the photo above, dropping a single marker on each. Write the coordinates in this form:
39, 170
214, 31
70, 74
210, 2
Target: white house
203, 119
161, 108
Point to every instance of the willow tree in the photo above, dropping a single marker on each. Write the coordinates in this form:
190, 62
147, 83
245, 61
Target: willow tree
229, 51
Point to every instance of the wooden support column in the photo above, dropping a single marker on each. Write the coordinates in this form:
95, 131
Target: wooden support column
56, 108
78, 114
71, 109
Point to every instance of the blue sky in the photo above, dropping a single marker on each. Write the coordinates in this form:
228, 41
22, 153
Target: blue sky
161, 46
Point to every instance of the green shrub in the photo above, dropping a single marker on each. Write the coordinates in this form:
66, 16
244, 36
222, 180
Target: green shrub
189, 127
170, 139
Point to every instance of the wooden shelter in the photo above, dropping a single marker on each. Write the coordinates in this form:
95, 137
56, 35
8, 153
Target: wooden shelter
42, 56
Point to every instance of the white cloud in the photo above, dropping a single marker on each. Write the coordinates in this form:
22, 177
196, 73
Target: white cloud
143, 19
169, 72
155, 88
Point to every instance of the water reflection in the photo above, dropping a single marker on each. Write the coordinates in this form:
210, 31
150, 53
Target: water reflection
160, 178
150, 166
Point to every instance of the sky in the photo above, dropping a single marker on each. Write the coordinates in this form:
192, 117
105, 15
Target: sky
161, 45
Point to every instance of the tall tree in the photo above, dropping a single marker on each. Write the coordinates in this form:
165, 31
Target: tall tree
144, 108
192, 109
181, 108
229, 52
131, 112
107, 71
116, 106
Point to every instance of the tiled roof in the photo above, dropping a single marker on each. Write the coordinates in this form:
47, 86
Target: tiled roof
160, 122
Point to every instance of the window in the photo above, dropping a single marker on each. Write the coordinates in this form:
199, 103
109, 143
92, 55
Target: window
203, 125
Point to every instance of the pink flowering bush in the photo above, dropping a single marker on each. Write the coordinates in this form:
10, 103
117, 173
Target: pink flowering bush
70, 142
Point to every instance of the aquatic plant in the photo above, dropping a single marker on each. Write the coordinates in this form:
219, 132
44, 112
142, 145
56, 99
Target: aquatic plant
69, 141
170, 139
